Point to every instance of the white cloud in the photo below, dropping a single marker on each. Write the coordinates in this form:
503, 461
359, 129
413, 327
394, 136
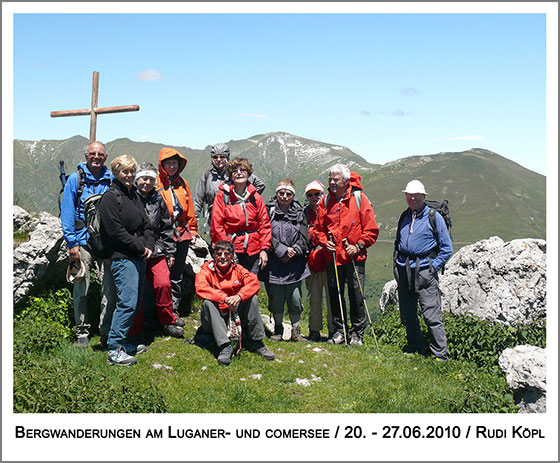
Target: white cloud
150, 75
398, 113
254, 116
410, 92
144, 137
365, 113
465, 137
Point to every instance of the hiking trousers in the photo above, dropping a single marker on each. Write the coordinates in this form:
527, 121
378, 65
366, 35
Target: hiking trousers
281, 295
347, 278
177, 271
315, 283
80, 292
428, 296
214, 321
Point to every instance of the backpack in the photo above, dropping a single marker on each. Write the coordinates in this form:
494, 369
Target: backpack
64, 178
93, 223
433, 207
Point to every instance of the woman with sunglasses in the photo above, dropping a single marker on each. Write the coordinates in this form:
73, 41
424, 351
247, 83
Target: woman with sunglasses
317, 260
239, 215
209, 181
287, 266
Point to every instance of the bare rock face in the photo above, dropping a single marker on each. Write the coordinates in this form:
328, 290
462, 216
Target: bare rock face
41, 260
495, 281
525, 369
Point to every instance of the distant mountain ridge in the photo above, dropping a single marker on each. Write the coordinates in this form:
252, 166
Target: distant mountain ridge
488, 194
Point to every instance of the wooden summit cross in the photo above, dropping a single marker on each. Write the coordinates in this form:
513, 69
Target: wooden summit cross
94, 110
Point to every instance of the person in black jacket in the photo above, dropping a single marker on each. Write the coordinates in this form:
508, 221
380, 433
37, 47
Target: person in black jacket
127, 234
157, 267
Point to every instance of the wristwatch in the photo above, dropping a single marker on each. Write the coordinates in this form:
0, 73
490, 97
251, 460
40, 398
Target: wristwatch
360, 245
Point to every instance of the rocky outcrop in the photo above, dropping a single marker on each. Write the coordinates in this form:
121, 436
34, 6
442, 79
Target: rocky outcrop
495, 281
525, 369
41, 261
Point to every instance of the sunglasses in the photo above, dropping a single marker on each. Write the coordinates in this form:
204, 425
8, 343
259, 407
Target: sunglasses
219, 157
239, 171
99, 155
313, 195
285, 193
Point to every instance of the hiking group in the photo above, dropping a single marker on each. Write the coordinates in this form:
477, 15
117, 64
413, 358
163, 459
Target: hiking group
136, 223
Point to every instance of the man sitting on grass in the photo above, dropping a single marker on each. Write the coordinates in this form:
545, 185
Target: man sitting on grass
225, 287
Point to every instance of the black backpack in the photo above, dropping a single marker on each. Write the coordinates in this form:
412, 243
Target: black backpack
93, 223
63, 178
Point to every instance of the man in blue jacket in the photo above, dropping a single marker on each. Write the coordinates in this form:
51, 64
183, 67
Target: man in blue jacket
91, 177
421, 250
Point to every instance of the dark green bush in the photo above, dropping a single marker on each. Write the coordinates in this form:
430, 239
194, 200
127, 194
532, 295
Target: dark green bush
468, 338
55, 306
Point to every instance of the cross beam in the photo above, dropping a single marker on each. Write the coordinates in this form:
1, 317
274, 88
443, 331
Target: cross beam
94, 110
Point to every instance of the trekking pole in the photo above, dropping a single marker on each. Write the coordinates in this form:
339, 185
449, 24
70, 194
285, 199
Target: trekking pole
339, 293
345, 243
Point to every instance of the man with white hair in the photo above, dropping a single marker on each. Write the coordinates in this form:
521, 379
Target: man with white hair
422, 247
346, 227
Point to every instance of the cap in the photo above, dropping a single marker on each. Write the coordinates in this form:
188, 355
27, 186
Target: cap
76, 270
415, 186
314, 185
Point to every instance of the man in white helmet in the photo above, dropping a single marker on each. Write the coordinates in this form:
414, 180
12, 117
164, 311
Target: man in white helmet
422, 247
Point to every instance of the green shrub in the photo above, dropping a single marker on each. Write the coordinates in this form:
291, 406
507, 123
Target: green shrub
468, 338
55, 306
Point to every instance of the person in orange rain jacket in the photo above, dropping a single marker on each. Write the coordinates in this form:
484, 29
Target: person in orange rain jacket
177, 196
225, 287
239, 215
346, 227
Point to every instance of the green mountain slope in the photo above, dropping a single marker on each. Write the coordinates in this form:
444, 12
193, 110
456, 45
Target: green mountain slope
488, 194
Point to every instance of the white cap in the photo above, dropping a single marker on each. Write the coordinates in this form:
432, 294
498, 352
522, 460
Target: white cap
76, 270
315, 185
415, 186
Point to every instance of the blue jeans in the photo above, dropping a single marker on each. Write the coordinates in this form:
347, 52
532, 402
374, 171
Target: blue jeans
129, 279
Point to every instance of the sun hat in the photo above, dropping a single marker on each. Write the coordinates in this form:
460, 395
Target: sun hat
415, 186
76, 270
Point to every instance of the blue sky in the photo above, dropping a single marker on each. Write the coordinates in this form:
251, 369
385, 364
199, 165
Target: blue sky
386, 86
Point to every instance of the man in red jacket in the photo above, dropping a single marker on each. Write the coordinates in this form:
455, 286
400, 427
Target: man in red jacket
225, 287
346, 227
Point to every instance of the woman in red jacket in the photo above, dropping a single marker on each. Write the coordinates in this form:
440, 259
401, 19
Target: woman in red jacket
239, 215
226, 287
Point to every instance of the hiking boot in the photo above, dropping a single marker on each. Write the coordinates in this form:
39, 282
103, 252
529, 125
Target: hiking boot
337, 338
137, 349
180, 322
296, 334
103, 341
259, 348
355, 340
173, 330
278, 333
120, 357
82, 341
314, 336
225, 355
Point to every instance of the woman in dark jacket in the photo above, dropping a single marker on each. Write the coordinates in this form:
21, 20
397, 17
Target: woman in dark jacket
287, 266
128, 235
163, 258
